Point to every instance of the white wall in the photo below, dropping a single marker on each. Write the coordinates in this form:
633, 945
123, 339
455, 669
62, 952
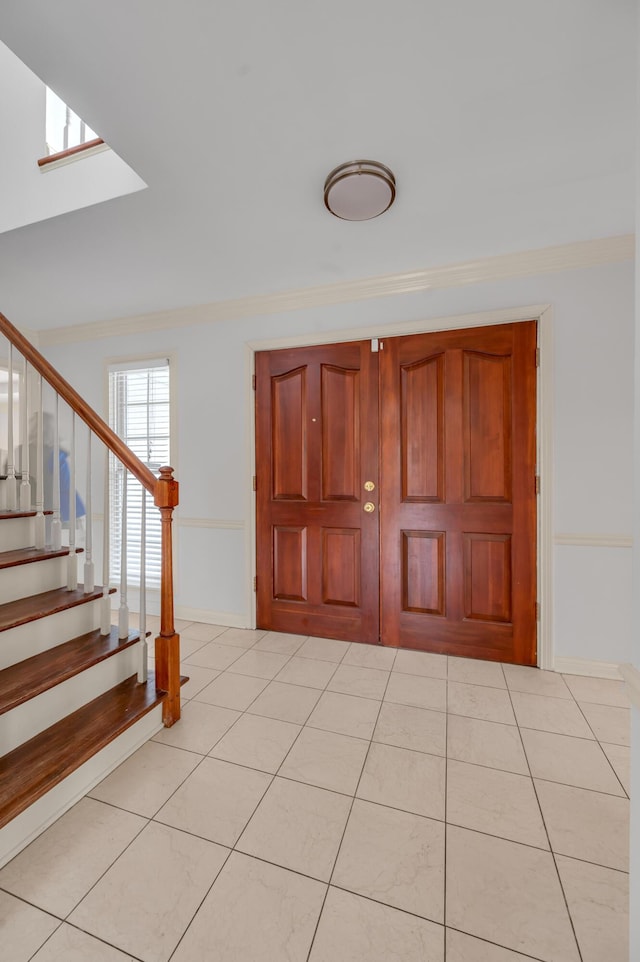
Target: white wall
29, 194
593, 335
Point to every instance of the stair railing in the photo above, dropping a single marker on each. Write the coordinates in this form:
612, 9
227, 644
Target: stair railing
163, 489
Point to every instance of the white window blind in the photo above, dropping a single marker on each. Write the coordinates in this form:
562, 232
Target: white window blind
139, 414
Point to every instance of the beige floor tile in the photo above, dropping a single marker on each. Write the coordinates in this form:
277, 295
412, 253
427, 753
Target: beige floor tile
549, 714
153, 623
419, 691
600, 691
308, 672
291, 703
618, 755
241, 637
280, 643
255, 912
68, 944
466, 948
57, 870
201, 632
298, 827
354, 929
256, 742
571, 761
598, 900
494, 802
404, 779
216, 801
473, 671
345, 714
23, 928
586, 825
366, 682
199, 728
421, 663
260, 664
486, 743
144, 782
535, 681
326, 759
150, 928
393, 857
188, 647
609, 724
370, 656
324, 649
214, 655
479, 701
417, 728
232, 691
509, 894
199, 678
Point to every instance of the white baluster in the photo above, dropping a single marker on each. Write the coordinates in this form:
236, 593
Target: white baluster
123, 613
72, 564
10, 483
105, 611
144, 654
89, 571
56, 524
39, 522
25, 486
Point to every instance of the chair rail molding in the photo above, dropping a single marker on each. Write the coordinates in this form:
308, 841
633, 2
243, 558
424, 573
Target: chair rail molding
589, 540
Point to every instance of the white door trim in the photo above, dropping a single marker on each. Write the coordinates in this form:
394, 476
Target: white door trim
543, 313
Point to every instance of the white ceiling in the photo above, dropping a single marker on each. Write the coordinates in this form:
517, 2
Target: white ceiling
510, 125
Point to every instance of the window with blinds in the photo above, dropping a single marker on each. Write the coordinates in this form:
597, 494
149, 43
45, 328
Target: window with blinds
139, 414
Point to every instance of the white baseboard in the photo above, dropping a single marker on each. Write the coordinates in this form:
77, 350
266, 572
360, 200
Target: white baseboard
582, 666
34, 820
230, 619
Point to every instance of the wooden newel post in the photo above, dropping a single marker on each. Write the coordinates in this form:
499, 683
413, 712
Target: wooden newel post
168, 642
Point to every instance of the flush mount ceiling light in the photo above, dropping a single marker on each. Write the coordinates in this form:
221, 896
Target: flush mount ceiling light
359, 190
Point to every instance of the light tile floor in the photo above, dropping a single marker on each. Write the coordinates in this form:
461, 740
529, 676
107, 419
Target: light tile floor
328, 802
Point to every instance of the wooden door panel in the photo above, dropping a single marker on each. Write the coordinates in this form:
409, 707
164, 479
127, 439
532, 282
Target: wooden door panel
340, 390
423, 571
316, 445
288, 403
468, 399
422, 420
487, 402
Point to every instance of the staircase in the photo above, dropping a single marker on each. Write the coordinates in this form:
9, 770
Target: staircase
76, 698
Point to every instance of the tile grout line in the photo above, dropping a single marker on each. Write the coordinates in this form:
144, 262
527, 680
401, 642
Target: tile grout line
551, 851
348, 818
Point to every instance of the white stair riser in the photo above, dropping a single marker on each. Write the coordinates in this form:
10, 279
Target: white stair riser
32, 579
16, 533
34, 820
38, 714
17, 644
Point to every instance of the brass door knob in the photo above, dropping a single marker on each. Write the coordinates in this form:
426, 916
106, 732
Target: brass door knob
369, 507
369, 486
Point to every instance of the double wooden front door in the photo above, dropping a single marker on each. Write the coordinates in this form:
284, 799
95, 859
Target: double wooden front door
396, 491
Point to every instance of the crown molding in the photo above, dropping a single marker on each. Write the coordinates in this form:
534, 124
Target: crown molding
581, 254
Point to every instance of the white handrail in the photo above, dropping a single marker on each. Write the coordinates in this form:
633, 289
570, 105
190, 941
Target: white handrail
142, 623
89, 570
10, 483
123, 613
72, 567
25, 486
105, 611
39, 522
56, 524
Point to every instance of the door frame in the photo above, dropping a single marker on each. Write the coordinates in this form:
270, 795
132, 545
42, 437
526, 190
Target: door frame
543, 314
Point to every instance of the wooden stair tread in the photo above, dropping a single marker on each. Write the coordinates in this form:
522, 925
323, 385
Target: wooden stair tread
23, 556
24, 610
28, 678
35, 767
